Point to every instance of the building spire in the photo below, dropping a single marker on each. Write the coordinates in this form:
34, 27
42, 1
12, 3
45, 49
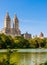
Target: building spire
7, 22
15, 17
7, 16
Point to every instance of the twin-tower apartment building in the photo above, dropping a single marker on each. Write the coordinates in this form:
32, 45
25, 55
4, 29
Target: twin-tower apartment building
8, 30
12, 27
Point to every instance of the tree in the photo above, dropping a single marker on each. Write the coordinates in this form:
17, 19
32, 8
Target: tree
7, 60
32, 43
20, 42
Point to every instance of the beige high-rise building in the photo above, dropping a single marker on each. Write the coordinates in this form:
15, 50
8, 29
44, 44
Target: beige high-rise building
7, 24
8, 30
16, 25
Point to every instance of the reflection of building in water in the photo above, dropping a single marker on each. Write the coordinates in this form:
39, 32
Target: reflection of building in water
14, 31
39, 58
26, 59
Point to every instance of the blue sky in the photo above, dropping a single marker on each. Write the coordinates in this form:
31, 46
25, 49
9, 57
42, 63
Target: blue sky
32, 14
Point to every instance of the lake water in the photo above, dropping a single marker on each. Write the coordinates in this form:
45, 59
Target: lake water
28, 56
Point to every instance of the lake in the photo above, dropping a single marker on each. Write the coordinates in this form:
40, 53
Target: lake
26, 56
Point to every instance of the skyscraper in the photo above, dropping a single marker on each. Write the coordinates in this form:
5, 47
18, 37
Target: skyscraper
14, 31
16, 25
7, 24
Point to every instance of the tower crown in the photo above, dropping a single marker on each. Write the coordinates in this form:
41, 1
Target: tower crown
15, 18
7, 17
14, 30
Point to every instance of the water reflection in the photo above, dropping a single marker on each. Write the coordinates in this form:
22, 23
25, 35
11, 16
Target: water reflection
26, 58
30, 58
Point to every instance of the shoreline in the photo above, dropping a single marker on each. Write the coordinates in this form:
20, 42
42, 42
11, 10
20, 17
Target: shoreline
24, 50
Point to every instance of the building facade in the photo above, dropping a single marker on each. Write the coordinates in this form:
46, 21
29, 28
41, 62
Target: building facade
26, 35
8, 30
41, 35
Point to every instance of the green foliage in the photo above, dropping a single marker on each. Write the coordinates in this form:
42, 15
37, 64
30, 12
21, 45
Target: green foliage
7, 60
44, 63
19, 42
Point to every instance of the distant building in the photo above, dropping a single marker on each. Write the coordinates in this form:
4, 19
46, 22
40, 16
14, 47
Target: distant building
26, 35
14, 31
35, 36
41, 35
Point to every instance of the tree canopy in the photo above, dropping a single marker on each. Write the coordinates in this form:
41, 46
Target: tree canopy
20, 42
